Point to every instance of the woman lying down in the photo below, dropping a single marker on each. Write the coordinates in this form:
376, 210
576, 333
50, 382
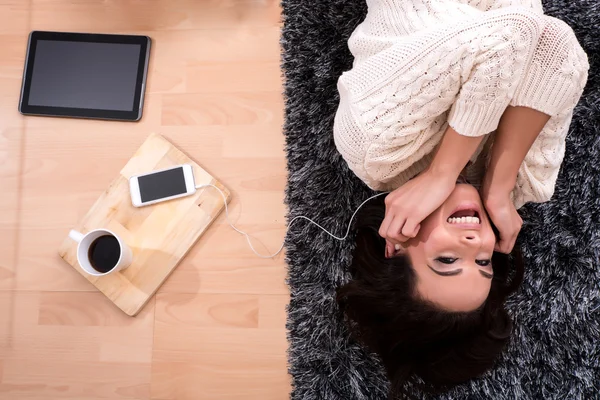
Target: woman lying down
460, 109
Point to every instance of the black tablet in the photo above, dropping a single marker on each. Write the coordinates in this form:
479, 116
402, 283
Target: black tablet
85, 75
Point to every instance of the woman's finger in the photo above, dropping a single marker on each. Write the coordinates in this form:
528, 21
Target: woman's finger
395, 230
500, 247
410, 229
389, 249
385, 224
513, 241
504, 247
510, 247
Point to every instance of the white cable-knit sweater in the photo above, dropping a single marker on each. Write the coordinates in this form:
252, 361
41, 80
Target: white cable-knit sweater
420, 65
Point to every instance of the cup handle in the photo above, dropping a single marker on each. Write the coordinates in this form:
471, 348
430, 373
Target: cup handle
76, 236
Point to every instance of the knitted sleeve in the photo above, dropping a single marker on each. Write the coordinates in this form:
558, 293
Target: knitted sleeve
463, 74
553, 84
396, 103
538, 173
487, 5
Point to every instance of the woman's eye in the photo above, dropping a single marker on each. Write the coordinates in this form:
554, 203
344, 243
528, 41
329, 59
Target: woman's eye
446, 260
483, 263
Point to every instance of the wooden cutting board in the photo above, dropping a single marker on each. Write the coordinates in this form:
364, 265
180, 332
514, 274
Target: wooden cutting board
159, 235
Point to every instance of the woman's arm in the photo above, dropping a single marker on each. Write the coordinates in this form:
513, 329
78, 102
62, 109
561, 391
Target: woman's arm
453, 153
518, 129
487, 5
414, 201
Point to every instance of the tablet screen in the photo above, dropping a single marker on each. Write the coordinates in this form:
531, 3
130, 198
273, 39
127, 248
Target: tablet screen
84, 75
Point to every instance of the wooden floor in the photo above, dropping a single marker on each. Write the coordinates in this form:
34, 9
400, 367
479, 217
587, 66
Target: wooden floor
216, 329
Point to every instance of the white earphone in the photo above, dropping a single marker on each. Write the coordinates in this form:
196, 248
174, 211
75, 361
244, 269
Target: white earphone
291, 222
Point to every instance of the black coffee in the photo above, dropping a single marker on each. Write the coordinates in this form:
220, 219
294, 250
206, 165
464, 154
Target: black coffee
104, 253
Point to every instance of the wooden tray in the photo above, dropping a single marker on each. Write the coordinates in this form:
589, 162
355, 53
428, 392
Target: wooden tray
159, 235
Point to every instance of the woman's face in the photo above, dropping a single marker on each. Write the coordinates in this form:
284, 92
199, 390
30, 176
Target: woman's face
452, 253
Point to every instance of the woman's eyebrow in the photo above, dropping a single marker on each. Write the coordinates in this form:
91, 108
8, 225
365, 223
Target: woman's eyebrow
486, 275
458, 272
446, 273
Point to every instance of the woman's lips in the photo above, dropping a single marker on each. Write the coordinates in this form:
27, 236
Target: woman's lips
467, 226
466, 206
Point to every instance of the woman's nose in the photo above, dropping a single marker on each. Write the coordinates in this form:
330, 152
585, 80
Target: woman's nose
472, 239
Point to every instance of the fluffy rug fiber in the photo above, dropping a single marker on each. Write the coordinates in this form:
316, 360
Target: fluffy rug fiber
555, 352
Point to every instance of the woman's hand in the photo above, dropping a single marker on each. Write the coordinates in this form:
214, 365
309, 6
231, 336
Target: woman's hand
505, 217
407, 206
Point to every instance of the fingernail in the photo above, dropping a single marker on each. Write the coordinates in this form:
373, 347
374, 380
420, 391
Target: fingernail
397, 247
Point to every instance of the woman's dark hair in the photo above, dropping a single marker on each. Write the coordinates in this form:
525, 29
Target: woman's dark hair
412, 336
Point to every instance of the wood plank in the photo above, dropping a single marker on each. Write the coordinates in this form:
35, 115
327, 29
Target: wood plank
206, 342
14, 17
221, 109
119, 15
11, 143
74, 346
62, 339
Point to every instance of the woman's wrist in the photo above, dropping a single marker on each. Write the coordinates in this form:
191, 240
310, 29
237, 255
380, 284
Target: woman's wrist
518, 129
452, 155
495, 186
444, 172
502, 170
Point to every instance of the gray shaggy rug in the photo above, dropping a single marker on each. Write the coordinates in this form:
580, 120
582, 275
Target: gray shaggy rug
555, 350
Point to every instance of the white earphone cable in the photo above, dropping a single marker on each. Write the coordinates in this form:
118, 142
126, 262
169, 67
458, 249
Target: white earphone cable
291, 222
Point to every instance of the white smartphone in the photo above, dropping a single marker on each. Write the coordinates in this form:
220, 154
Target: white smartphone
162, 185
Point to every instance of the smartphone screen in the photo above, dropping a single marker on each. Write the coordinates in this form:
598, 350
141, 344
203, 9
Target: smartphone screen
162, 184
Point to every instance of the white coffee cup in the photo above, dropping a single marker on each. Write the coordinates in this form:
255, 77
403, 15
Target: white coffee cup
111, 262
